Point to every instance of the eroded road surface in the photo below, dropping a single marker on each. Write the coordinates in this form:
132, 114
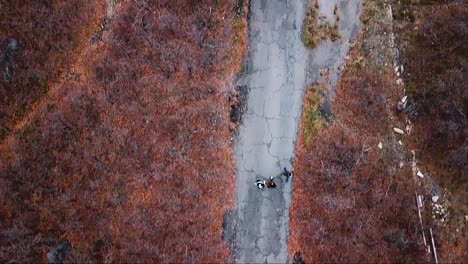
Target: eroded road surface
277, 71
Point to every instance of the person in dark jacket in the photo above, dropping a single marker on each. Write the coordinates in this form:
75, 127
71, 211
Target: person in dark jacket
287, 173
270, 183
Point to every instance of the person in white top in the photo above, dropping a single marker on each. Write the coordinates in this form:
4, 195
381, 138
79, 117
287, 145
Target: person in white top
260, 184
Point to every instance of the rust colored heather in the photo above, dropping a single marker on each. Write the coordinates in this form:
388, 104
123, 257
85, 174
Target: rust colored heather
349, 205
434, 48
436, 81
352, 204
364, 94
39, 40
130, 161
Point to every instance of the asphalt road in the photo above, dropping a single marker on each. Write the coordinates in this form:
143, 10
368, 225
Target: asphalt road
277, 72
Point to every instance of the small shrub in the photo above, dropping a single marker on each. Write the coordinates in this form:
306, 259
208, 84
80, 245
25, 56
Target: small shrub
312, 117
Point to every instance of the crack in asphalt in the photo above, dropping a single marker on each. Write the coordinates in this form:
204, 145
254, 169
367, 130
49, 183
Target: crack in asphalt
278, 69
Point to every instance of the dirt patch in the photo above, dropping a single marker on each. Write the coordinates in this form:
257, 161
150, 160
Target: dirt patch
229, 233
110, 7
238, 102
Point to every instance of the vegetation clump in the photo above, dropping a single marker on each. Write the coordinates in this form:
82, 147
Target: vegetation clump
317, 28
313, 120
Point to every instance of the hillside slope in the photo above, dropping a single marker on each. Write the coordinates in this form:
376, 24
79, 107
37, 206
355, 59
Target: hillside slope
128, 159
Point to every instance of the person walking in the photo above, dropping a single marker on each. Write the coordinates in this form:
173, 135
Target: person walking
287, 173
270, 183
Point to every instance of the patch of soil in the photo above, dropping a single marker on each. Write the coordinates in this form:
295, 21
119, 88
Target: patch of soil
238, 102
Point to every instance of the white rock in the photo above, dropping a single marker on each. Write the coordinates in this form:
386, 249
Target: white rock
435, 198
420, 203
399, 81
403, 100
397, 130
399, 142
396, 69
420, 174
401, 164
408, 129
402, 69
466, 218
401, 106
380, 146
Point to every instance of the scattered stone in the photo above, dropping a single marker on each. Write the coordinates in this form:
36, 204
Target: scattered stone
466, 218
380, 146
401, 164
408, 129
402, 69
399, 81
12, 45
399, 142
397, 130
57, 254
401, 106
420, 174
420, 203
396, 69
435, 198
402, 103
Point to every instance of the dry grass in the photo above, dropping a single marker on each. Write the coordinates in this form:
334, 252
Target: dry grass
312, 118
316, 29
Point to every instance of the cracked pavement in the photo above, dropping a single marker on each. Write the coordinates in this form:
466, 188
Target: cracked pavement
278, 68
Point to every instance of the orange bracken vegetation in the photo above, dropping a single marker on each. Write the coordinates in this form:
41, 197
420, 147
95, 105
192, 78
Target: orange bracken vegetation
435, 49
39, 40
352, 204
366, 110
130, 160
